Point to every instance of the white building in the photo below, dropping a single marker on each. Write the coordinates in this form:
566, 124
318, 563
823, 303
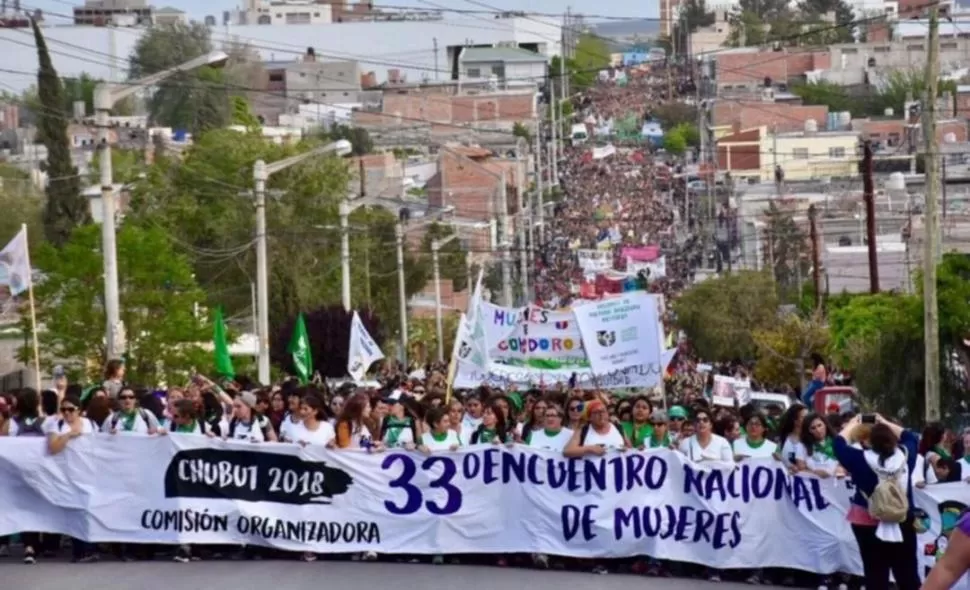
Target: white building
419, 50
504, 66
288, 12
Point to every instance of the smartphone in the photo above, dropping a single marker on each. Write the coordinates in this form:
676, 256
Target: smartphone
868, 418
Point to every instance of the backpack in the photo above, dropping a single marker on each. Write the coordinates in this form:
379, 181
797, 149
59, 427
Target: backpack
35, 428
260, 422
117, 418
888, 501
583, 433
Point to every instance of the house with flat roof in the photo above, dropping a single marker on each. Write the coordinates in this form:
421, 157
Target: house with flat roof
505, 66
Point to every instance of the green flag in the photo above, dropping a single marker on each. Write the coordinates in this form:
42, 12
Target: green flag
300, 349
221, 346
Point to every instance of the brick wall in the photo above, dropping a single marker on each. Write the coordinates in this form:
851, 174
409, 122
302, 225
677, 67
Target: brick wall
784, 117
446, 109
780, 66
893, 132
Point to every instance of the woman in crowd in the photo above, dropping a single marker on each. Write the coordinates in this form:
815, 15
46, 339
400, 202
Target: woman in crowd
535, 422
473, 415
351, 428
754, 442
336, 408
455, 419
60, 433
277, 410
290, 424
728, 427
704, 445
596, 437
493, 429
314, 429
213, 413
660, 436
638, 430
398, 430
934, 444
678, 425
27, 420
114, 377
130, 418
574, 413
245, 422
789, 437
890, 459
816, 440
552, 436
440, 437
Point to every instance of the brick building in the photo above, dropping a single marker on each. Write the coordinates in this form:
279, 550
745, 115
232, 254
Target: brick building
746, 68
740, 114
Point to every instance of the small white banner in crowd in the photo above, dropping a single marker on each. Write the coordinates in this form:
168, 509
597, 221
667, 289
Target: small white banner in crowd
484, 499
620, 332
656, 269
363, 350
594, 261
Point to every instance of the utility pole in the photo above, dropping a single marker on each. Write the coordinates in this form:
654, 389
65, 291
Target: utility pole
260, 176
869, 195
541, 212
402, 292
436, 268
435, 41
931, 318
816, 263
522, 217
504, 237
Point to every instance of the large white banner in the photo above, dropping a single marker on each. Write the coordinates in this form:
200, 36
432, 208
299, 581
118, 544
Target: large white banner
594, 261
620, 332
486, 499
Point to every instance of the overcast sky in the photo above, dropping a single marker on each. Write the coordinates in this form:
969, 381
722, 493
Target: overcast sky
198, 9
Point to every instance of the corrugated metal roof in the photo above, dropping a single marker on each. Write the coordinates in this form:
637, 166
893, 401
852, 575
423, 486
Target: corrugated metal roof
507, 54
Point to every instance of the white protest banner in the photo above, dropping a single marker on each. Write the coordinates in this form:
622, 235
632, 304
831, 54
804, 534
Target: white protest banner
938, 508
484, 499
363, 351
728, 390
620, 332
656, 269
593, 261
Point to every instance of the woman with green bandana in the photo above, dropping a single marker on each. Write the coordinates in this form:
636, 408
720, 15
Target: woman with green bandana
660, 436
552, 436
493, 429
397, 429
638, 430
754, 443
817, 440
130, 418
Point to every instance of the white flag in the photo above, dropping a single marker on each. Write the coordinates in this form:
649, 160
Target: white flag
363, 351
16, 264
471, 341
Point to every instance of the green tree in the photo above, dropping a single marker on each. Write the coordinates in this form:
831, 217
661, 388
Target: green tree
358, 137
196, 100
722, 314
66, 207
834, 96
451, 257
674, 113
787, 246
747, 28
520, 130
784, 350
694, 15
243, 115
159, 297
126, 166
899, 85
22, 203
675, 142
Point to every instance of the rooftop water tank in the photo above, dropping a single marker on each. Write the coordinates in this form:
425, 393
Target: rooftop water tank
811, 126
897, 182
889, 112
845, 119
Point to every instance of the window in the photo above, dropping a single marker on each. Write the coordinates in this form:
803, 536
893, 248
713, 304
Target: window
800, 153
498, 71
949, 46
277, 77
474, 73
914, 47
850, 51
882, 49
836, 152
893, 139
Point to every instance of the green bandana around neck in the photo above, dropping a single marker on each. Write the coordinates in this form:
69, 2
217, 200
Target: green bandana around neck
128, 420
394, 428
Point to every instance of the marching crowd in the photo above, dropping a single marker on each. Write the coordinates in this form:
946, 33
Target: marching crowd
614, 198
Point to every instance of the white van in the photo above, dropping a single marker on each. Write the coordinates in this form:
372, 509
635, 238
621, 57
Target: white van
579, 134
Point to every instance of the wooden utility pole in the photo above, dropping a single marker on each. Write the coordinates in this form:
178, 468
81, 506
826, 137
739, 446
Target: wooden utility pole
869, 194
816, 263
931, 224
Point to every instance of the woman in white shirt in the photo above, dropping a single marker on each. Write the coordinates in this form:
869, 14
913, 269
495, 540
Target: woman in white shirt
754, 443
244, 424
704, 445
817, 442
351, 431
597, 436
313, 428
130, 418
552, 436
441, 437
789, 433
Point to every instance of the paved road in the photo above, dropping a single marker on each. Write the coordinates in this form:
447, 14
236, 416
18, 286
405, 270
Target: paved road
291, 575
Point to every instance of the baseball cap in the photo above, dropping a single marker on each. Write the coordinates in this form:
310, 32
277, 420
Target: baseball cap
248, 398
659, 417
678, 412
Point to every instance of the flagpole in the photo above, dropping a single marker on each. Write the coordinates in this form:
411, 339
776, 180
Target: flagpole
33, 308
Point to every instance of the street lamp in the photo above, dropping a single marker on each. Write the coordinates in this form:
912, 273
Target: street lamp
106, 95
261, 173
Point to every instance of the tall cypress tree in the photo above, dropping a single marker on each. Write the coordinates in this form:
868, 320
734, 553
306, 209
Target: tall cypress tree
66, 207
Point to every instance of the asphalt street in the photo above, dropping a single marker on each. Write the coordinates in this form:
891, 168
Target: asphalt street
291, 575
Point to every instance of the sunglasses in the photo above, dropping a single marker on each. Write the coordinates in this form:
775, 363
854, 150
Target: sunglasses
68, 410
124, 397
575, 408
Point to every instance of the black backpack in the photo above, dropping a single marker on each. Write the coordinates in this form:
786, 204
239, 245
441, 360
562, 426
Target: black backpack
35, 428
261, 421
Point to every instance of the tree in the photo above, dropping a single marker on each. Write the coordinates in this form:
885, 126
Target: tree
675, 142
451, 257
721, 315
196, 100
22, 203
747, 28
423, 338
243, 115
694, 15
899, 85
674, 113
784, 350
329, 331
358, 137
520, 130
787, 252
834, 96
591, 55
159, 295
66, 207
126, 166
197, 199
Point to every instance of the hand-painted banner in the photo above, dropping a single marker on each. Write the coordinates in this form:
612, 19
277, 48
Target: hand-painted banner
620, 333
593, 261
485, 499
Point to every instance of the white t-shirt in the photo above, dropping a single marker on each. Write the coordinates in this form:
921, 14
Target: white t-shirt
142, 423
321, 436
59, 426
817, 460
718, 449
540, 440
46, 421
613, 439
791, 451
250, 431
405, 435
358, 434
743, 449
451, 440
289, 428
